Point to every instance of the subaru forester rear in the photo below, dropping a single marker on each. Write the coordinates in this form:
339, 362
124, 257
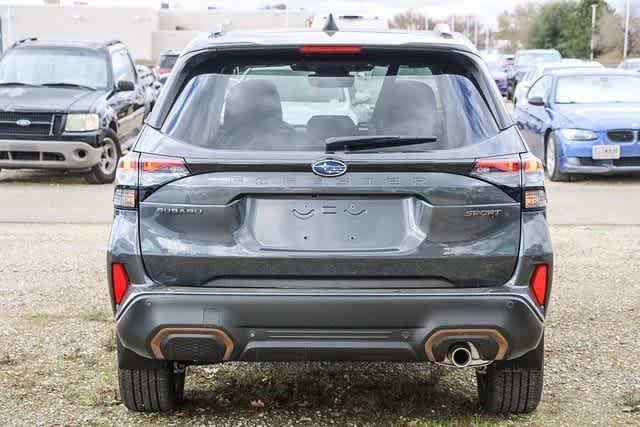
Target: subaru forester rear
334, 196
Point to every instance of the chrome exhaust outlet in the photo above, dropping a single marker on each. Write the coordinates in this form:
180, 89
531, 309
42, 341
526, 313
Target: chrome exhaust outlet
460, 355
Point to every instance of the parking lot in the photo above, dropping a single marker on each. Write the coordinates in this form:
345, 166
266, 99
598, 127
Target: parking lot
57, 359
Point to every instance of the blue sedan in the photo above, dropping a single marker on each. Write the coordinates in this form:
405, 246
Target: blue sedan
583, 122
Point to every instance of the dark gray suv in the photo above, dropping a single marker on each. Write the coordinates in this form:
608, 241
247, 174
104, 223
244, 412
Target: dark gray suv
334, 196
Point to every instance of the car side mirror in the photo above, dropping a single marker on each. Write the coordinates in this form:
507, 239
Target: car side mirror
538, 101
361, 98
125, 86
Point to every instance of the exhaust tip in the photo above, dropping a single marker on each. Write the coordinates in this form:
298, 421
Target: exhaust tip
460, 356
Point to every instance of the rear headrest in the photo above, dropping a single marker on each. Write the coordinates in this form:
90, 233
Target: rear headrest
255, 103
407, 107
320, 128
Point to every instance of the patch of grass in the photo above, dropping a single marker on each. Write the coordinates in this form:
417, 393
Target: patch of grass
631, 402
97, 316
74, 356
108, 343
44, 318
7, 360
105, 396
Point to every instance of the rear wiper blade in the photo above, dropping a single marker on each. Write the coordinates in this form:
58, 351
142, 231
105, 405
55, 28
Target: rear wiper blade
355, 143
61, 84
15, 84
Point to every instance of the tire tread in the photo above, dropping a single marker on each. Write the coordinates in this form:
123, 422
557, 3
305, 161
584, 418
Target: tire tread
513, 391
150, 390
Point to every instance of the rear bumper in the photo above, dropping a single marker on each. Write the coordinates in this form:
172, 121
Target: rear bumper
45, 154
261, 325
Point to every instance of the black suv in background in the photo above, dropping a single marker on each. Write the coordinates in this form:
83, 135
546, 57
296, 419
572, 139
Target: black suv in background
69, 105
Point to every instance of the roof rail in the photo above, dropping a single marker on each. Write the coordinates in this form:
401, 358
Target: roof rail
25, 40
443, 30
216, 31
112, 42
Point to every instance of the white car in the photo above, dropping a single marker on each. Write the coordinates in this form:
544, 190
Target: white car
546, 67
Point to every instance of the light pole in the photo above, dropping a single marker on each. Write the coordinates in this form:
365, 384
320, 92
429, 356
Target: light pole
625, 51
9, 30
475, 33
488, 35
453, 23
594, 7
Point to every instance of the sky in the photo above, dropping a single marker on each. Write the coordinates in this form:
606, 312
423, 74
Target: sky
486, 10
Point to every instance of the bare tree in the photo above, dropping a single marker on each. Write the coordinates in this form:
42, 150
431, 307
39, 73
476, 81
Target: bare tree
409, 20
611, 36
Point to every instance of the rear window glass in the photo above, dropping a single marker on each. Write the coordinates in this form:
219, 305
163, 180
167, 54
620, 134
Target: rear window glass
598, 89
528, 59
299, 105
167, 61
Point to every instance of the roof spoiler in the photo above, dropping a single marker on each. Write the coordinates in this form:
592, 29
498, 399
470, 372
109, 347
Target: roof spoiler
25, 40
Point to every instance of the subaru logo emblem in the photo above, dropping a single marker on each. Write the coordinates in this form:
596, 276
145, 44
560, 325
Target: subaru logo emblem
329, 168
23, 122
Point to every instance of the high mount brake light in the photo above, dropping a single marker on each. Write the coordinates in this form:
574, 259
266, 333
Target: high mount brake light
327, 50
119, 281
540, 283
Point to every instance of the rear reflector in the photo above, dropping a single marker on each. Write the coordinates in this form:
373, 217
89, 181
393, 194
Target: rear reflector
539, 283
327, 50
119, 281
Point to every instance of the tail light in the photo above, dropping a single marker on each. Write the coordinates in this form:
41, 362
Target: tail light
525, 172
540, 283
119, 282
141, 171
157, 170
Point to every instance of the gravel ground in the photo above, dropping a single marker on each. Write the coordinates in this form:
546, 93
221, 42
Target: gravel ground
56, 335
57, 355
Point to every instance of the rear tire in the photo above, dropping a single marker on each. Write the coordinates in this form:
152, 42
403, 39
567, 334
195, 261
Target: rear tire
105, 171
513, 386
552, 160
151, 390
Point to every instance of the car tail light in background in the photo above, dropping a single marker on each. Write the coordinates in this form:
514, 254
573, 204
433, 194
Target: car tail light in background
119, 281
527, 172
331, 50
161, 72
540, 283
140, 171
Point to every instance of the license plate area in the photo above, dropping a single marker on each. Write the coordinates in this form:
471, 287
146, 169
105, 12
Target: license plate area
605, 152
340, 225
